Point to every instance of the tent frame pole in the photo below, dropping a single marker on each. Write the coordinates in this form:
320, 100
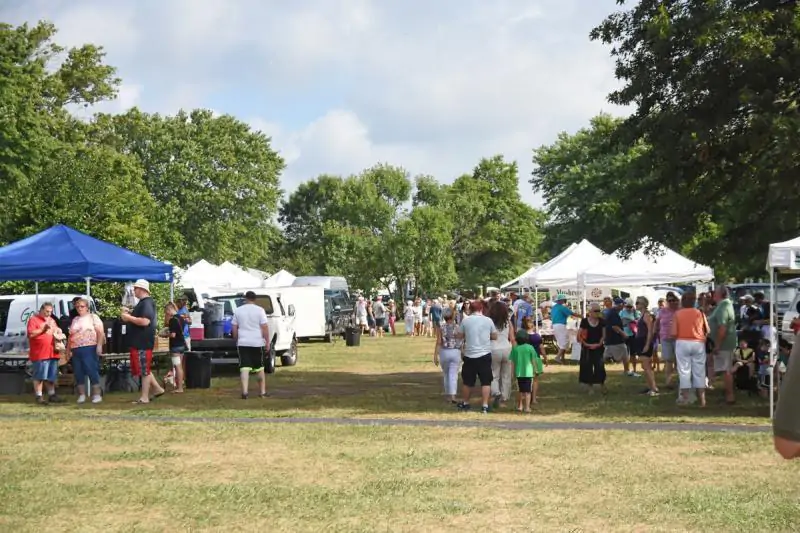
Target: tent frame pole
36, 287
88, 286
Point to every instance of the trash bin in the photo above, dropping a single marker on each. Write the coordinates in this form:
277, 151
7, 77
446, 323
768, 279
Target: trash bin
215, 330
352, 336
198, 370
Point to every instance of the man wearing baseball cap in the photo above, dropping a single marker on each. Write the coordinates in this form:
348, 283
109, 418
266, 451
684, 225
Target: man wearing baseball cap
559, 314
142, 335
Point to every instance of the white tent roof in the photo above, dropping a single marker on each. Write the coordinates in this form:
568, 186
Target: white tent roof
281, 278
200, 274
519, 281
784, 256
663, 267
236, 277
562, 271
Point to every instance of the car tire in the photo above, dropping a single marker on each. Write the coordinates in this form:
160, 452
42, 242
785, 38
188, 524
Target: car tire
269, 366
289, 358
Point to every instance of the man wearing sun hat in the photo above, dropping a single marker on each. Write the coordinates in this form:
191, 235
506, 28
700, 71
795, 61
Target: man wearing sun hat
559, 314
141, 324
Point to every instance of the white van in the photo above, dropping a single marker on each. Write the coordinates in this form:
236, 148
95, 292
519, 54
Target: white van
15, 310
312, 320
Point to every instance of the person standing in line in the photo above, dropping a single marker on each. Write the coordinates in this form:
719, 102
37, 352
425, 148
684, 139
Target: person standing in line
663, 327
630, 317
41, 327
186, 319
142, 335
592, 334
690, 328
502, 373
526, 367
643, 344
379, 313
559, 314
478, 332
616, 348
408, 317
251, 333
723, 339
436, 314
447, 353
86, 336
523, 308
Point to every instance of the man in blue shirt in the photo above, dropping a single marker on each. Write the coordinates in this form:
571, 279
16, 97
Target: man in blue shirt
522, 308
559, 314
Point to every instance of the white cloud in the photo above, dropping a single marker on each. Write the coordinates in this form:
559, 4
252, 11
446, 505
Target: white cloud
431, 86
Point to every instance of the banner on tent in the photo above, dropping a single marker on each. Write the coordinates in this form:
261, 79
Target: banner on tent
592, 293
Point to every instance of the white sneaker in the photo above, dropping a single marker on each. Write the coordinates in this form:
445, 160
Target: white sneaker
634, 375
97, 399
82, 398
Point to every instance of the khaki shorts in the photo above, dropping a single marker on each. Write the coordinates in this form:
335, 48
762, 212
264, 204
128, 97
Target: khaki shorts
723, 361
617, 352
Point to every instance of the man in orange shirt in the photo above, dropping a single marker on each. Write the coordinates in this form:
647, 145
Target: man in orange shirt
41, 328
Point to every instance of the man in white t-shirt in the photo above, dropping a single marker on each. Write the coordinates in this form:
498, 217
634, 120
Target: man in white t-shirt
478, 332
251, 333
379, 313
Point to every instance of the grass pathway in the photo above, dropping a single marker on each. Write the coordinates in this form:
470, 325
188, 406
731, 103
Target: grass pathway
466, 423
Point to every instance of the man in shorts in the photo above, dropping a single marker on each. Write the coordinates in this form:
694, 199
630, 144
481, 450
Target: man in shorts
722, 334
379, 314
142, 335
251, 333
616, 348
42, 353
478, 332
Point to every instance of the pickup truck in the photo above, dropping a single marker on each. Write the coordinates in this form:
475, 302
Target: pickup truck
281, 321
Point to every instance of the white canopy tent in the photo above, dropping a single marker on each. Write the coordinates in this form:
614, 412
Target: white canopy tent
662, 266
236, 277
281, 278
518, 282
200, 274
562, 271
783, 258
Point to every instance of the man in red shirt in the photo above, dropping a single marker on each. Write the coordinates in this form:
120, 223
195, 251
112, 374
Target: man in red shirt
42, 353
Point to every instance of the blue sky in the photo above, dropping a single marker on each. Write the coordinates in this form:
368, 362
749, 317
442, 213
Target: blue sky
340, 85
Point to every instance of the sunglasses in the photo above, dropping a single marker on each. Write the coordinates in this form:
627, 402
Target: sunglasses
81, 306
672, 300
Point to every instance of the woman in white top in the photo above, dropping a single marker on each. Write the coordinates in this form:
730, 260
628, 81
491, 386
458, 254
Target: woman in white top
448, 353
501, 349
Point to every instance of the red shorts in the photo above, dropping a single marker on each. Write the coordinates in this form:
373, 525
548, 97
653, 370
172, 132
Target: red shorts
141, 360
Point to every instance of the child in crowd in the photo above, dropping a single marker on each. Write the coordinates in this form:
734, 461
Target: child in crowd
526, 366
534, 339
744, 367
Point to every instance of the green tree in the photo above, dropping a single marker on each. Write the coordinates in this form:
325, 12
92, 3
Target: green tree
715, 90
495, 234
589, 183
214, 180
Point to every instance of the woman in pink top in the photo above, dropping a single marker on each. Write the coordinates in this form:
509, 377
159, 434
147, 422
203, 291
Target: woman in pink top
663, 327
86, 338
689, 329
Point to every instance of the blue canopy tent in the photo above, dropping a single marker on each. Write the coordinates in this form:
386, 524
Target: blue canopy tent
63, 254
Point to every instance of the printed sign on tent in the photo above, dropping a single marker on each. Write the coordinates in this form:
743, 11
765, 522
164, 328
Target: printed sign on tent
592, 293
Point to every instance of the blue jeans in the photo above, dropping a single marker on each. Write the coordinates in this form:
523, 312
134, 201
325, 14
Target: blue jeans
85, 363
46, 370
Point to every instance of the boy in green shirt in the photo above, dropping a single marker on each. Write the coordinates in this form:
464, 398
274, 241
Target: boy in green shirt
527, 366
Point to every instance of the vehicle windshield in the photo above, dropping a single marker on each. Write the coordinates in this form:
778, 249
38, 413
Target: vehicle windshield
783, 295
262, 301
92, 308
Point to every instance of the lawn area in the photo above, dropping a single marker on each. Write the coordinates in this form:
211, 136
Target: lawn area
67, 467
150, 476
395, 378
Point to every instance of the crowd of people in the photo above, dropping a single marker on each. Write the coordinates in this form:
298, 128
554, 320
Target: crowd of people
703, 340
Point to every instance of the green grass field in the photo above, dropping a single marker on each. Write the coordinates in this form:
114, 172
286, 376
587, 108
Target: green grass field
68, 468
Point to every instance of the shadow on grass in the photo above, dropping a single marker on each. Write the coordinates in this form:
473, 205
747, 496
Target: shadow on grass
295, 391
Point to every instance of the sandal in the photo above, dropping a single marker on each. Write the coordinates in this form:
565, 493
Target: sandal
140, 402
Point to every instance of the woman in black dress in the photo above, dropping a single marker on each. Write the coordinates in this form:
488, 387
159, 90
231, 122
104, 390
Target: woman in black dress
592, 336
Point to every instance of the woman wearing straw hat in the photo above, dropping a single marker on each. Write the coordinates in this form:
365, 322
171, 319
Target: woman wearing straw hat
559, 314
